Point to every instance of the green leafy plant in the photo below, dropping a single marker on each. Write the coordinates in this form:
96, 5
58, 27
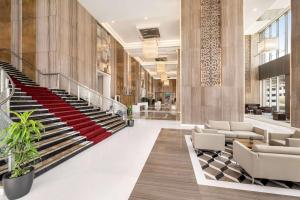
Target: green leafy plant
130, 113
18, 141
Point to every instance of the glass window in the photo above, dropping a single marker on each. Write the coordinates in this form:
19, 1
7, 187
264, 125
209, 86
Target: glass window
274, 92
281, 92
282, 35
289, 31
281, 29
267, 33
274, 29
266, 92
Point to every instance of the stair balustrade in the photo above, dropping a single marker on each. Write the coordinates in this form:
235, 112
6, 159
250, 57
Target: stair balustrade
73, 87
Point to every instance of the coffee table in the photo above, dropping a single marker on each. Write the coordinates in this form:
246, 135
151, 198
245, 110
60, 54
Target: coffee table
250, 143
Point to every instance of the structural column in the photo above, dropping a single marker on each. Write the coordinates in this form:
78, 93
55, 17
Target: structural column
295, 64
212, 61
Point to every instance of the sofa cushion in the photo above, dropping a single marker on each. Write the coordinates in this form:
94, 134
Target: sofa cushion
241, 126
248, 135
228, 134
277, 142
296, 134
198, 129
219, 125
276, 149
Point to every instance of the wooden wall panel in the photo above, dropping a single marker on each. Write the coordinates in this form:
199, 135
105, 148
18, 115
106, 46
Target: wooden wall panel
16, 32
66, 40
295, 64
200, 104
29, 37
178, 82
5, 28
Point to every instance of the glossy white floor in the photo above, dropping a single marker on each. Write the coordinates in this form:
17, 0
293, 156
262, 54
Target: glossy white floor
110, 169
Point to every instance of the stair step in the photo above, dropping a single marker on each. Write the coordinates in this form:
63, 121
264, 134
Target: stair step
110, 121
97, 114
56, 132
102, 119
83, 107
113, 125
49, 120
43, 144
56, 125
19, 97
24, 105
36, 111
51, 151
52, 162
118, 128
19, 93
35, 116
89, 110
78, 104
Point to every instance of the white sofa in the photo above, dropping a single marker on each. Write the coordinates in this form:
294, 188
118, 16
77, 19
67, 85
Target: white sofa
208, 140
269, 162
240, 130
284, 139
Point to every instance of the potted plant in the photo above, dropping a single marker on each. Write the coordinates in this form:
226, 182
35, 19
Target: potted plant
18, 143
130, 117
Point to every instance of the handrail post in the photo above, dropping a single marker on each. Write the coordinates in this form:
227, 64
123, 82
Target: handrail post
78, 93
7, 95
58, 81
2, 80
113, 107
69, 87
89, 98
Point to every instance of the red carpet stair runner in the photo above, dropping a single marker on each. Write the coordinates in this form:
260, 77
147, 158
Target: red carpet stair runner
67, 113
71, 125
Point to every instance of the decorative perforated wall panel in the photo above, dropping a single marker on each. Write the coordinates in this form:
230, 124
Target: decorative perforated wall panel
210, 43
248, 63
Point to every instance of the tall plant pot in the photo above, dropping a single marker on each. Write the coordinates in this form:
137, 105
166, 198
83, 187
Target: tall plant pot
130, 122
15, 188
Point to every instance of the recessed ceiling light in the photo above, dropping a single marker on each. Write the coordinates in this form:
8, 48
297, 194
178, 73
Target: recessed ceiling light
254, 9
145, 18
112, 21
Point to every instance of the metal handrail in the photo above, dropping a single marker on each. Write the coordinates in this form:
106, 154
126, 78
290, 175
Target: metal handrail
39, 72
12, 89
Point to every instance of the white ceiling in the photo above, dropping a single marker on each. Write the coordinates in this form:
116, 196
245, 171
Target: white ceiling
254, 9
122, 17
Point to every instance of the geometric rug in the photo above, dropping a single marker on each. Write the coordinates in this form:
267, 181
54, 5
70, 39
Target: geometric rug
222, 167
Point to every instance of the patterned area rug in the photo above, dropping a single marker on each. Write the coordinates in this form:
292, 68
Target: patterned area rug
221, 166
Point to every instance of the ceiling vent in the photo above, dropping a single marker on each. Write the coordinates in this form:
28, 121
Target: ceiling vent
161, 59
148, 33
270, 14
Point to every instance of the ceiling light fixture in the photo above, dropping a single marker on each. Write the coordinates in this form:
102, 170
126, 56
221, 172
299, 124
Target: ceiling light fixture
254, 9
166, 83
268, 44
164, 76
160, 67
145, 18
112, 21
150, 48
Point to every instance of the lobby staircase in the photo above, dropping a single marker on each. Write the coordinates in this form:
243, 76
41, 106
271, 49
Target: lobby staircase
71, 124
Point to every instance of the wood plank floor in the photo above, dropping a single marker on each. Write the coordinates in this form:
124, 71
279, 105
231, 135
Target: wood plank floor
168, 175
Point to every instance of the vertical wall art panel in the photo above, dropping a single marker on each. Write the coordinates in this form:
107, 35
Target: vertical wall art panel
248, 63
210, 40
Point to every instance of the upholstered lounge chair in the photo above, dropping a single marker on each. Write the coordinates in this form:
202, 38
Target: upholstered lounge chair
284, 139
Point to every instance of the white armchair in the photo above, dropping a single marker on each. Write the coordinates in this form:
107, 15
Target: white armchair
208, 140
285, 139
